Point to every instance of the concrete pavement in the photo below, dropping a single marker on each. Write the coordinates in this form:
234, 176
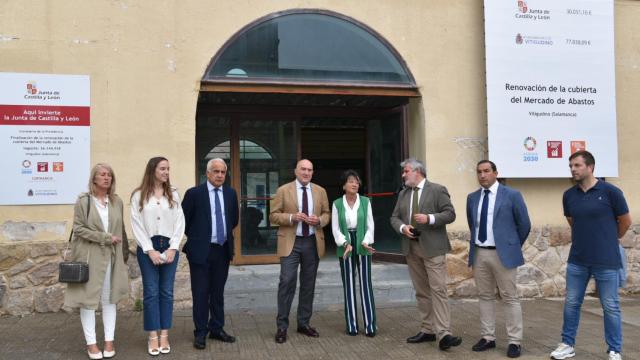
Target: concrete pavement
59, 335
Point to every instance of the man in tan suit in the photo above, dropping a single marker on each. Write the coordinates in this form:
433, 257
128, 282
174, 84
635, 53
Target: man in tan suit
421, 214
301, 209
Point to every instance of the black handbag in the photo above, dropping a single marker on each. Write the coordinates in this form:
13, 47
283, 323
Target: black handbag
74, 271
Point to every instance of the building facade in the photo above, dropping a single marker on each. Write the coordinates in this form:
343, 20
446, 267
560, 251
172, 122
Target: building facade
264, 83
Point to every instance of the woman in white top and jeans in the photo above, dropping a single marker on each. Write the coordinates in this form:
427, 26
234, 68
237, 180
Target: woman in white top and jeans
158, 225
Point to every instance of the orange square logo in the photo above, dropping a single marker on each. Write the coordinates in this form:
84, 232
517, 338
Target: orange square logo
58, 166
578, 146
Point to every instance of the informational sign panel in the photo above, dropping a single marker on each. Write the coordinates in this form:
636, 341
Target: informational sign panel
550, 85
44, 138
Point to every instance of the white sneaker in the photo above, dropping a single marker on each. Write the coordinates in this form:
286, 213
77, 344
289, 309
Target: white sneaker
614, 355
563, 351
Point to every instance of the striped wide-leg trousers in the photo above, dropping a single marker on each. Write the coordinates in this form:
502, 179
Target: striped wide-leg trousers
348, 268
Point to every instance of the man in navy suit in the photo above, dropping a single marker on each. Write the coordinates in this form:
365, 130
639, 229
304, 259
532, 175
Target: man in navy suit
499, 224
211, 214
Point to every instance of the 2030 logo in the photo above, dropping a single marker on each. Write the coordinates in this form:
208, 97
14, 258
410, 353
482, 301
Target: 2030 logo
530, 144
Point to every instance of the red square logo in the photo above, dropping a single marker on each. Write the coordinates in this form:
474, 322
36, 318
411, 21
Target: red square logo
554, 149
58, 166
43, 167
578, 146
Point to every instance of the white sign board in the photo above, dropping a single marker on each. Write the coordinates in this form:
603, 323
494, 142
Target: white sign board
550, 85
44, 138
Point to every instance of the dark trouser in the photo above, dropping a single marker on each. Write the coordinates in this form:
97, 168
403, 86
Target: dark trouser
305, 254
157, 285
207, 290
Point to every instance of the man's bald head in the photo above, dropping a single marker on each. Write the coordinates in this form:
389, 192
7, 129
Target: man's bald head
304, 171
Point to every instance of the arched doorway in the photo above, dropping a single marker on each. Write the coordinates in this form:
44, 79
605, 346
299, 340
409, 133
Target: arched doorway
304, 84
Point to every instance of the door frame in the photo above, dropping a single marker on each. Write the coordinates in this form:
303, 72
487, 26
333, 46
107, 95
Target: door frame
296, 113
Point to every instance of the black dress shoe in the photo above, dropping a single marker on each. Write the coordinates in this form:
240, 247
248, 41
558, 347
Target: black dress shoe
352, 333
514, 351
222, 336
370, 334
200, 342
483, 345
421, 337
448, 341
281, 336
308, 330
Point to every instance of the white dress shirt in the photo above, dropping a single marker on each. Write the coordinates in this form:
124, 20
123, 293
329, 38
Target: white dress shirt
212, 203
312, 229
351, 216
492, 202
420, 186
103, 211
157, 218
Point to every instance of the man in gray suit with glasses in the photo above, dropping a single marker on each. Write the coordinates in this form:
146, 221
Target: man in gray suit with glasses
421, 215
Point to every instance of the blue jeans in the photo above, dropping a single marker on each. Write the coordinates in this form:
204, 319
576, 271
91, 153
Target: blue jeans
607, 282
157, 287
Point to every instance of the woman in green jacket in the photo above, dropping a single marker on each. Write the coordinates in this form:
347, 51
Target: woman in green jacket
353, 229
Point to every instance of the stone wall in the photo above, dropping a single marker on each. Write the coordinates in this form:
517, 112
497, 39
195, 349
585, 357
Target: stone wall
29, 278
29, 271
545, 255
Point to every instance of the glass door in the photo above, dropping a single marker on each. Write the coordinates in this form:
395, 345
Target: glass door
213, 140
385, 152
261, 151
267, 151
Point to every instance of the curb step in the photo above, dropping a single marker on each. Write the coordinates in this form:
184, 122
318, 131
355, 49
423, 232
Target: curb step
255, 287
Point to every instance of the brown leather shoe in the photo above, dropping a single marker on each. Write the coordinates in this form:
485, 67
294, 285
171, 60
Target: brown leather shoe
308, 330
281, 336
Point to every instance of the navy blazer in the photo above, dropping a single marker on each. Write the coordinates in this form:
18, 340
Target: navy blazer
511, 225
197, 215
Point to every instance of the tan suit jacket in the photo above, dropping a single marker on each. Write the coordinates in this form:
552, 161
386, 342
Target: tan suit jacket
285, 203
433, 200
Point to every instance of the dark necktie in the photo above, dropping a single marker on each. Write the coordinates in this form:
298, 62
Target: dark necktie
219, 222
414, 206
305, 210
482, 231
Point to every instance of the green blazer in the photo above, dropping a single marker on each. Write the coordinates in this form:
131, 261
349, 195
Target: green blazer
361, 227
